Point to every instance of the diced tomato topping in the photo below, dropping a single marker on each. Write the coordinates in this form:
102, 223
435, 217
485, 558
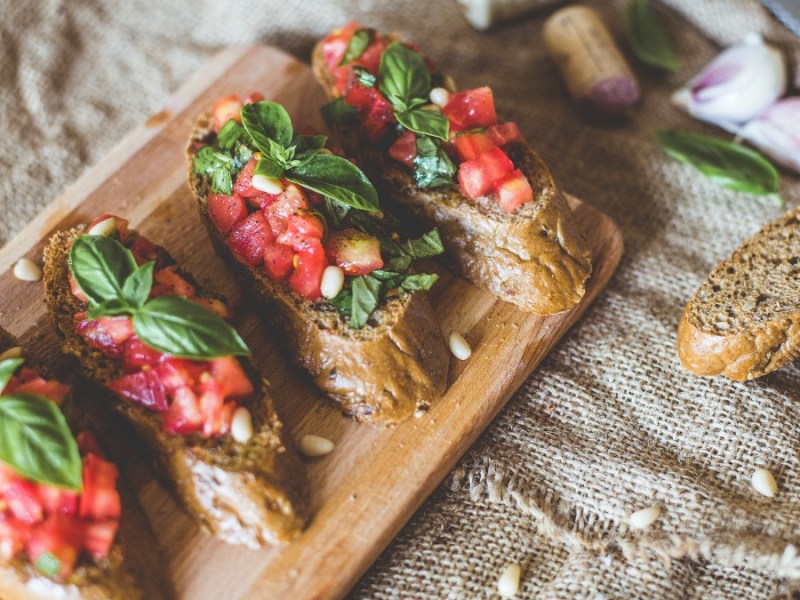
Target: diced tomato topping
168, 282
250, 237
215, 305
504, 133
87, 443
232, 380
404, 149
211, 402
99, 498
253, 97
478, 176
28, 381
226, 109
374, 109
243, 186
122, 225
471, 109
288, 202
472, 145
106, 333
335, 45
23, 501
76, 289
513, 191
53, 547
278, 261
144, 251
356, 252
183, 416
57, 500
143, 387
136, 354
300, 227
307, 276
371, 58
226, 211
98, 536
13, 535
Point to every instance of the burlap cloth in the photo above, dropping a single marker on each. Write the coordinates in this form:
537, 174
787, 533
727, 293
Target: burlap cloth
610, 422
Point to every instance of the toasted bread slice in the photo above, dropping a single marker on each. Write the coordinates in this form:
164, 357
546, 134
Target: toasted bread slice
382, 373
247, 494
536, 258
744, 320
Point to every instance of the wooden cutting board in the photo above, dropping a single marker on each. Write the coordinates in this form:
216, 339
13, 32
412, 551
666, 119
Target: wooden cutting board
370, 485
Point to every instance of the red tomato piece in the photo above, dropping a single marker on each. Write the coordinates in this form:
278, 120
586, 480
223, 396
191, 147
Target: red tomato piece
249, 238
288, 202
210, 402
253, 97
226, 109
307, 276
168, 282
122, 225
356, 252
278, 261
478, 176
57, 500
504, 133
183, 415
371, 58
472, 145
404, 149
13, 536
144, 251
29, 381
136, 354
106, 333
98, 536
335, 45
56, 538
23, 501
226, 211
301, 226
87, 443
513, 191
215, 305
99, 498
379, 118
143, 387
471, 109
230, 376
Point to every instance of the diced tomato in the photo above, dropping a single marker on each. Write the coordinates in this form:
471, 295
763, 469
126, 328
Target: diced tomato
177, 373
210, 402
278, 261
144, 250
504, 133
106, 333
404, 149
168, 282
226, 109
87, 443
472, 145
250, 237
56, 538
28, 381
356, 252
301, 226
286, 203
23, 501
122, 225
215, 305
478, 176
371, 58
136, 354
98, 536
226, 211
99, 498
244, 180
471, 109
335, 45
232, 380
57, 500
183, 416
379, 118
13, 537
361, 98
253, 97
143, 387
307, 276
513, 191
76, 289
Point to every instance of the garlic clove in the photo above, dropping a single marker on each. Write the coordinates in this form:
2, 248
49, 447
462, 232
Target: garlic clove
776, 133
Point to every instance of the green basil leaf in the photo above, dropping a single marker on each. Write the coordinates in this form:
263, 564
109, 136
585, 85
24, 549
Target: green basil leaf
338, 178
138, 285
269, 168
425, 122
110, 308
366, 295
339, 112
727, 164
7, 369
307, 147
230, 133
48, 564
432, 166
425, 246
243, 154
267, 120
222, 181
419, 281
364, 77
187, 330
358, 43
218, 165
403, 77
343, 301
35, 441
647, 37
100, 265
335, 211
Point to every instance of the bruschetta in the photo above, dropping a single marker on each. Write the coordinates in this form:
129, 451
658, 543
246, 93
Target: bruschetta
146, 331
446, 158
302, 226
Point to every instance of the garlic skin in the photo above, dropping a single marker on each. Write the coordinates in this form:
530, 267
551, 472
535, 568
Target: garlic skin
776, 133
737, 86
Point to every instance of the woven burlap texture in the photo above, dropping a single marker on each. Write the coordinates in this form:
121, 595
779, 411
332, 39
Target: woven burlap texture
610, 422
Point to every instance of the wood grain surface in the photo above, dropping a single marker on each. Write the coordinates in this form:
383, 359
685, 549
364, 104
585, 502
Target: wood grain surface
368, 487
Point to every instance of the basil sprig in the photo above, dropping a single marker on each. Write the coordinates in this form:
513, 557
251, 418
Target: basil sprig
107, 273
7, 369
647, 36
432, 166
360, 41
404, 79
727, 164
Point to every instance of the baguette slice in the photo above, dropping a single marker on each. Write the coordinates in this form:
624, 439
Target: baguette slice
245, 494
113, 577
744, 320
382, 373
536, 258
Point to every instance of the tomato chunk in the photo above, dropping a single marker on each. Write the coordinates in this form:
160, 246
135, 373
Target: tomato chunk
136, 354
168, 282
300, 227
253, 97
231, 378
52, 547
98, 536
513, 191
226, 109
478, 176
143, 387
472, 145
106, 333
57, 500
356, 252
226, 211
404, 149
99, 498
278, 261
307, 276
504, 133
23, 501
249, 238
289, 201
471, 109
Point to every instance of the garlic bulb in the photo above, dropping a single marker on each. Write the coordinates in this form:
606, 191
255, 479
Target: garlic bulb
777, 133
737, 86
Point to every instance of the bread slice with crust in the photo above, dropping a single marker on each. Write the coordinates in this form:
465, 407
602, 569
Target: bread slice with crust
536, 258
383, 373
744, 320
249, 494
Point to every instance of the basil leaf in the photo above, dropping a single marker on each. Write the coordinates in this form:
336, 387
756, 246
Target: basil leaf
358, 43
269, 168
432, 166
335, 211
100, 265
48, 564
217, 165
243, 155
110, 308
364, 77
185, 329
727, 164
429, 244
403, 77
338, 178
230, 133
343, 301
138, 285
35, 441
267, 120
339, 112
306, 147
425, 122
7, 369
419, 281
365, 292
647, 37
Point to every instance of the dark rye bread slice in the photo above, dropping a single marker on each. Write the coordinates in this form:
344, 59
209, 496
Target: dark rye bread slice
114, 577
383, 373
744, 320
536, 258
247, 494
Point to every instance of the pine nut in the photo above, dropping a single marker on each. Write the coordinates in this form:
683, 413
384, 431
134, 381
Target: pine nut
266, 184
459, 346
440, 96
508, 583
242, 425
314, 445
27, 270
645, 517
764, 483
332, 281
104, 228
13, 352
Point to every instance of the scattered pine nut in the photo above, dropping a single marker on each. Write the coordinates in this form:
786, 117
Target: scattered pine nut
645, 517
104, 228
440, 96
508, 583
242, 425
764, 483
314, 445
332, 281
27, 270
14, 352
459, 346
266, 184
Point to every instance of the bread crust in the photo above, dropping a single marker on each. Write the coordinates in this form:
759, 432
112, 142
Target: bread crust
247, 494
381, 374
536, 258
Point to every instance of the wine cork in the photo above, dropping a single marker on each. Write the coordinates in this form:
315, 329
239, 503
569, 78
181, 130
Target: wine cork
593, 67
